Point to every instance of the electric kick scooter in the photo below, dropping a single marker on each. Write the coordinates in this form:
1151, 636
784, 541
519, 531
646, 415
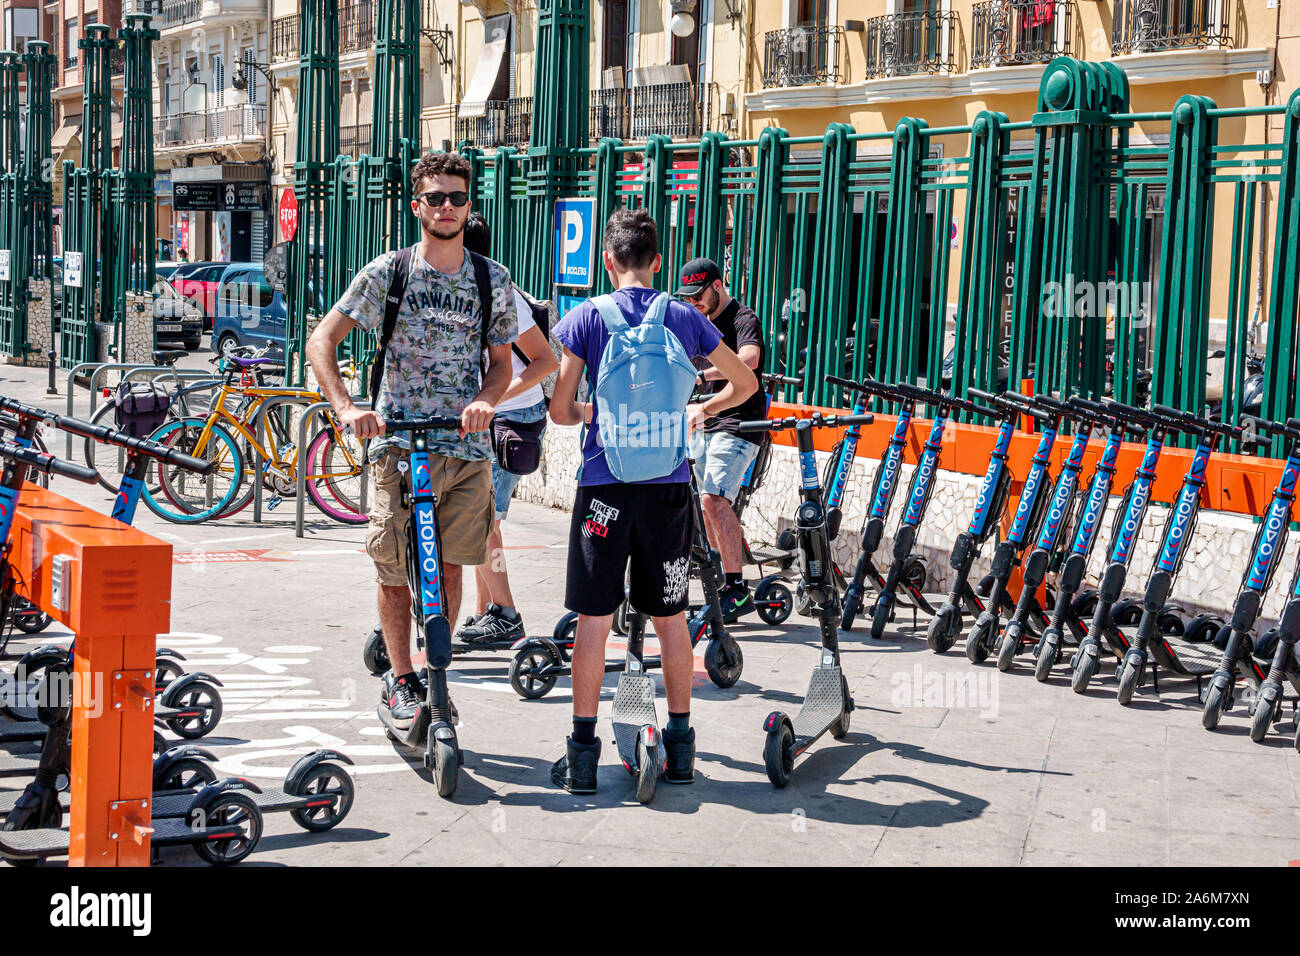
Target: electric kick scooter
1025, 523
1070, 578
1266, 554
989, 507
433, 724
1179, 528
827, 705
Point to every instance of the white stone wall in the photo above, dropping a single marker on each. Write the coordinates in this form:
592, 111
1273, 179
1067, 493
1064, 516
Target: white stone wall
40, 322
1209, 580
139, 329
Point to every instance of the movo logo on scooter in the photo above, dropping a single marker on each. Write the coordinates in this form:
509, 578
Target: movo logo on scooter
428, 549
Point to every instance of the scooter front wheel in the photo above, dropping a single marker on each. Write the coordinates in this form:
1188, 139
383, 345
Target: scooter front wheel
444, 759
1216, 702
976, 649
778, 754
1085, 666
879, 619
1262, 718
1010, 644
1047, 652
942, 633
1130, 672
852, 604
374, 655
723, 661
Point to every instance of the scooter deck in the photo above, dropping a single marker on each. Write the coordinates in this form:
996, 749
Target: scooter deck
1193, 659
170, 831
9, 799
413, 736
634, 708
14, 731
822, 705
176, 803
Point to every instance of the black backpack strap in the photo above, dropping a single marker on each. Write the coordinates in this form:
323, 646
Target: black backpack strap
484, 279
392, 305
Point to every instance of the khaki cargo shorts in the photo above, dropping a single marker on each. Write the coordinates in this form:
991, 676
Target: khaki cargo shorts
464, 491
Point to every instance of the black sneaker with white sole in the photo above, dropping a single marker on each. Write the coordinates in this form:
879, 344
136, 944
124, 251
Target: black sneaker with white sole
492, 628
680, 751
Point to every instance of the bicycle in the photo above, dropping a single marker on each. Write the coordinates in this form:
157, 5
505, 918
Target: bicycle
229, 437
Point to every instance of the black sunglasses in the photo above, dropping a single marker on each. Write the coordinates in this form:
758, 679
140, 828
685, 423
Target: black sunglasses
434, 200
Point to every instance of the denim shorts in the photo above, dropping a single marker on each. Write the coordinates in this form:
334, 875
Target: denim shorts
721, 460
503, 482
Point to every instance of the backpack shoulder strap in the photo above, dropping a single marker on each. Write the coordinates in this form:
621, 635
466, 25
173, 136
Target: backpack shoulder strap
610, 313
658, 308
392, 305
484, 279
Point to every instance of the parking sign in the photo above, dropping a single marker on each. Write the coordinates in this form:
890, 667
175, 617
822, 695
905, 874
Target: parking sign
575, 228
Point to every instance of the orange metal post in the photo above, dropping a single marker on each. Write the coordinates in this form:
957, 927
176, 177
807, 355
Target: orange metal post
118, 587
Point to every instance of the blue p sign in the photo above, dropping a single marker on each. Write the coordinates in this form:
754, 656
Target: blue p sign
575, 228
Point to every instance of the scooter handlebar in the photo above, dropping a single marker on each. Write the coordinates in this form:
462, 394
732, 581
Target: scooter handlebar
1189, 422
48, 463
1290, 428
420, 424
904, 391
1010, 402
770, 378
816, 420
1105, 414
110, 436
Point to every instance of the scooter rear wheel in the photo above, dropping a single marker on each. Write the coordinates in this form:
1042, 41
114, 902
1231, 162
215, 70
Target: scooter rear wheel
840, 729
236, 810
374, 655
523, 671
647, 772
778, 754
774, 603
327, 779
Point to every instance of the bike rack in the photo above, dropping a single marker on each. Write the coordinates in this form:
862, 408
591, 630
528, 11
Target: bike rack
129, 370
300, 516
256, 425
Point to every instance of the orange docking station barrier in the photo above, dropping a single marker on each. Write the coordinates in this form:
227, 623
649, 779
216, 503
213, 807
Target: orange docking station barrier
110, 584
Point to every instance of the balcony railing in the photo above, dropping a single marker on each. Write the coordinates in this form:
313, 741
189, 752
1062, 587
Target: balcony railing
176, 12
1146, 26
903, 44
354, 140
284, 38
246, 122
677, 110
503, 123
357, 25
802, 55
1021, 31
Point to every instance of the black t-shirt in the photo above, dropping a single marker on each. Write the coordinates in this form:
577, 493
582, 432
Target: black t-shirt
739, 326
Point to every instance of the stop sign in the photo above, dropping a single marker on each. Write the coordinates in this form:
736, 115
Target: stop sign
288, 215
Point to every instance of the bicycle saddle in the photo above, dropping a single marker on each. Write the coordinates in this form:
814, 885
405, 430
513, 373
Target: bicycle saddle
168, 356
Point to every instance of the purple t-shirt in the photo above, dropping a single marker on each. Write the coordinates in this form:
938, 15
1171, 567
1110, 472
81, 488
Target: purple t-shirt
583, 333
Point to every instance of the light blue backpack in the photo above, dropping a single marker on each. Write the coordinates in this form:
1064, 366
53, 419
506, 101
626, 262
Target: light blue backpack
644, 383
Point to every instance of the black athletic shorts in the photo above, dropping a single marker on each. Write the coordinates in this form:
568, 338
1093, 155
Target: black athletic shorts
650, 525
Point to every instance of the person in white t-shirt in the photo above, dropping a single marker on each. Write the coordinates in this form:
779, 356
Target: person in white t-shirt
498, 619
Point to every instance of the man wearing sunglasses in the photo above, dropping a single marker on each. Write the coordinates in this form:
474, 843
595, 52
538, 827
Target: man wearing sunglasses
433, 333
722, 454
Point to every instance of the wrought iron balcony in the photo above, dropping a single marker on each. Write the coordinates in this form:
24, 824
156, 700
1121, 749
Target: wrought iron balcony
677, 110
1008, 32
284, 38
357, 21
243, 123
354, 140
1147, 26
801, 56
503, 123
903, 44
177, 12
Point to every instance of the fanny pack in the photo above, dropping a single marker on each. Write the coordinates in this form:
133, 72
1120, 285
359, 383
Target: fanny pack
518, 445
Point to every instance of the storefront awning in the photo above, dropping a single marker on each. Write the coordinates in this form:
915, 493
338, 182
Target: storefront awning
496, 31
64, 135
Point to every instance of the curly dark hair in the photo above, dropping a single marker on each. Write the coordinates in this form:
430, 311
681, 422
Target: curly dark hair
632, 237
441, 164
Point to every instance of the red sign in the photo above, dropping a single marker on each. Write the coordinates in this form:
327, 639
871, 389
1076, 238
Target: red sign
288, 215
222, 557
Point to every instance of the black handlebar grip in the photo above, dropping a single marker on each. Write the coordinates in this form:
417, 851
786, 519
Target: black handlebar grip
48, 463
773, 379
421, 424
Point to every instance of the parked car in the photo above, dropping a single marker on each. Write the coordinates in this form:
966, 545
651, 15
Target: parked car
249, 311
166, 269
175, 317
199, 282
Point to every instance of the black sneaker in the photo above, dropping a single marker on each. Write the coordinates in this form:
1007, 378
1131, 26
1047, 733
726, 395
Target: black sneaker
735, 600
576, 770
402, 698
471, 620
680, 749
493, 627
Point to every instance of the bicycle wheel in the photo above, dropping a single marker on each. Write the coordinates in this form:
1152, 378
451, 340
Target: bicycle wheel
188, 498
109, 461
334, 476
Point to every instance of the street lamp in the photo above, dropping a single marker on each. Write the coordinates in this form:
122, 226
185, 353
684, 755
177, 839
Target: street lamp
240, 80
682, 24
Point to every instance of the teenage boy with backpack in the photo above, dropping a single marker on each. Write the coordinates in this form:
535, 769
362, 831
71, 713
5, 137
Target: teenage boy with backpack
438, 310
648, 521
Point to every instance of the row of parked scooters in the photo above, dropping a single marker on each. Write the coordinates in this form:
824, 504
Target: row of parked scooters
220, 818
1055, 527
